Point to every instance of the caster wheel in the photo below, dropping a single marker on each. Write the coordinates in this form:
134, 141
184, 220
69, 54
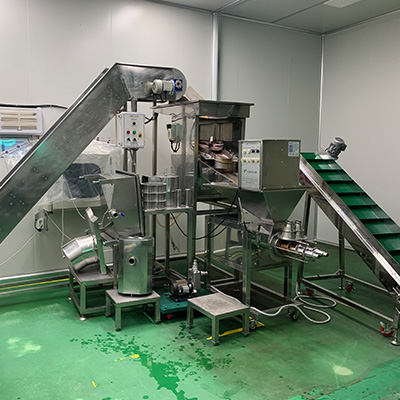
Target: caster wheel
253, 325
118, 329
294, 313
309, 292
388, 332
349, 286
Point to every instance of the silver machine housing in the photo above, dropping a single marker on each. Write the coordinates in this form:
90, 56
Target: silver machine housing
135, 265
268, 164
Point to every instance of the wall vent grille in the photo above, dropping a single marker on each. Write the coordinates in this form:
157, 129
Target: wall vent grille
21, 121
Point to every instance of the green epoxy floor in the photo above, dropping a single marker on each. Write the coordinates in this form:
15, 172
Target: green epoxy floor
46, 352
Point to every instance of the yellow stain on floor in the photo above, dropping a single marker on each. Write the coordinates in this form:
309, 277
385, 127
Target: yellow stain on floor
259, 325
132, 356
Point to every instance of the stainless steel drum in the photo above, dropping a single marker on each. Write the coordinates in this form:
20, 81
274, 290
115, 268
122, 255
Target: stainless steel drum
171, 186
154, 195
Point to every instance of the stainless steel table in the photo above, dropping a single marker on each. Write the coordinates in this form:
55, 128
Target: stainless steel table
120, 301
218, 306
89, 278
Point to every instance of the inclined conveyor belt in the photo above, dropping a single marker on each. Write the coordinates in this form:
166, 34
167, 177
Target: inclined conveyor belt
367, 227
57, 149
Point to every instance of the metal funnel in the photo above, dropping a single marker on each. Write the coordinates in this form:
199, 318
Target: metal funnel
275, 205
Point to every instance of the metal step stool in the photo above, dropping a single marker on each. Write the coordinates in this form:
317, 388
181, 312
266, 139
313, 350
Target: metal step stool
120, 301
218, 306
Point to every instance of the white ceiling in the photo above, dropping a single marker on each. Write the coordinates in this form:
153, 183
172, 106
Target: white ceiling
310, 15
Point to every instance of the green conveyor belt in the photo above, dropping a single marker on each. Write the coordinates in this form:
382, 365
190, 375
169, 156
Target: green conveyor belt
386, 231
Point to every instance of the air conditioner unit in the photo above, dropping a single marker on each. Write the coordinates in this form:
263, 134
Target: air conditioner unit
21, 121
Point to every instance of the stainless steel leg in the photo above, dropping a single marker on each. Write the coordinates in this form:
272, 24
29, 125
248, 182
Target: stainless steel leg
300, 276
189, 317
108, 307
154, 232
396, 327
285, 282
82, 299
215, 330
157, 311
306, 215
208, 250
71, 284
115, 265
341, 260
246, 325
191, 229
228, 242
167, 244
246, 285
118, 313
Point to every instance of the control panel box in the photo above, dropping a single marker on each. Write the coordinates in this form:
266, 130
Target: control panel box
269, 164
130, 130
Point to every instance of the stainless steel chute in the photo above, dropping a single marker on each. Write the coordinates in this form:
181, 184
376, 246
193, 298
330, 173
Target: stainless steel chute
39, 169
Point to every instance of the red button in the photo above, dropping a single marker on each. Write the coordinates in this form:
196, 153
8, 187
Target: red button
128, 132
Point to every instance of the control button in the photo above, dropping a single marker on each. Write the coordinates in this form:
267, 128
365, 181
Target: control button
257, 160
253, 151
128, 132
134, 132
257, 151
253, 160
133, 123
140, 135
243, 160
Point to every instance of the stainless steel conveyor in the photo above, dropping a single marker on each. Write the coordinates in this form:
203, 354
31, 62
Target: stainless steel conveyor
39, 169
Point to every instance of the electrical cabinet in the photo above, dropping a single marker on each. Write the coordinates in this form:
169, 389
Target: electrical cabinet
268, 164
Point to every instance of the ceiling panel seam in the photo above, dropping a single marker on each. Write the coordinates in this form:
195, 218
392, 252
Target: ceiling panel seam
272, 24
190, 8
299, 12
233, 4
365, 21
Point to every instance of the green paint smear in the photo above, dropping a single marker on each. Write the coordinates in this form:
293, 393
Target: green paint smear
164, 373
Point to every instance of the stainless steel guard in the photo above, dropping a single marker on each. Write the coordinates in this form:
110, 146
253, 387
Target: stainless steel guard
39, 169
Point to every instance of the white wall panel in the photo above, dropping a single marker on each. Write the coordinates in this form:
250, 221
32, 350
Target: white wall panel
279, 71
361, 104
14, 68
